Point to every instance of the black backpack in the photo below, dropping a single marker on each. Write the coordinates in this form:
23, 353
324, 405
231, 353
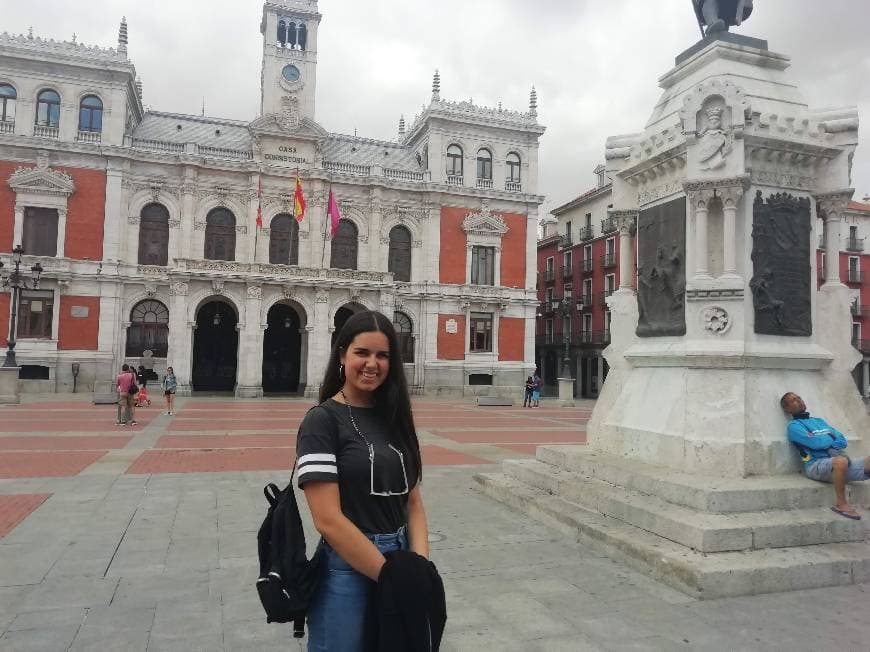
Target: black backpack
288, 578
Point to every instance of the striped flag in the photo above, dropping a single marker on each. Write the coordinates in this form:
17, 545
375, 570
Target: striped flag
298, 201
260, 204
334, 214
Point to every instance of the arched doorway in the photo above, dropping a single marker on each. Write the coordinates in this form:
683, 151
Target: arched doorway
282, 349
215, 348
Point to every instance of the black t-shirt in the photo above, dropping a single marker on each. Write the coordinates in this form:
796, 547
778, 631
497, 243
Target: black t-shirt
331, 450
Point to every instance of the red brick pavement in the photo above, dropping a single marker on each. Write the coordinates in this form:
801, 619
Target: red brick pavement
438, 456
227, 441
226, 424
45, 465
14, 509
61, 443
513, 436
205, 461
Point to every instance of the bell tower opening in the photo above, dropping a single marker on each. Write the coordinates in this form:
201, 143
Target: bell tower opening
289, 72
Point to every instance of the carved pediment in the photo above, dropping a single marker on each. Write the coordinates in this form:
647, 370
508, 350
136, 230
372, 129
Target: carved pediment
41, 181
277, 124
484, 223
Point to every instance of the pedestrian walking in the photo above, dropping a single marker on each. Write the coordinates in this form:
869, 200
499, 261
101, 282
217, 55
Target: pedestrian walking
169, 386
536, 390
359, 466
125, 381
527, 392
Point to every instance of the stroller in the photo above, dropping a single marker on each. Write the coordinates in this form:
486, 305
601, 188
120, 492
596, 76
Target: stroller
142, 399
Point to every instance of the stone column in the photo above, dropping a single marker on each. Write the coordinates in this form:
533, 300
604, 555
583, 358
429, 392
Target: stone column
250, 376
700, 200
626, 222
865, 385
114, 211
18, 225
600, 373
318, 345
188, 205
730, 202
180, 356
831, 207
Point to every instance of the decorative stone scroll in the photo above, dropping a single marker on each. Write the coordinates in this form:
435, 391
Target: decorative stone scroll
179, 289
782, 282
255, 292
661, 270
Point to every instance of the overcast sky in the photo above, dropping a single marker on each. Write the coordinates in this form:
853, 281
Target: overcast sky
595, 63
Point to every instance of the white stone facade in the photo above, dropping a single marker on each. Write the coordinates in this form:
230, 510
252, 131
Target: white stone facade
191, 165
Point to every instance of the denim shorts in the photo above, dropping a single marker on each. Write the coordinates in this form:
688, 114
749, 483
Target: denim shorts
821, 470
336, 616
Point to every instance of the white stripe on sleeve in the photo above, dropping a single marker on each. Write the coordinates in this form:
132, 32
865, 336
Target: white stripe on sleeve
316, 457
318, 468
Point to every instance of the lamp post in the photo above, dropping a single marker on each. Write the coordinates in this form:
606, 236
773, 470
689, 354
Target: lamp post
566, 337
17, 282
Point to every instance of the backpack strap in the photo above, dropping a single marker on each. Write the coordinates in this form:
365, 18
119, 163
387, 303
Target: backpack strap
271, 492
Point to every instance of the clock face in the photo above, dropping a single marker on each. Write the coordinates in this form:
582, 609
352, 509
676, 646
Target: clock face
291, 73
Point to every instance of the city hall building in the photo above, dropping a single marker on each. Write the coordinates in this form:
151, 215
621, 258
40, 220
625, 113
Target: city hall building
146, 226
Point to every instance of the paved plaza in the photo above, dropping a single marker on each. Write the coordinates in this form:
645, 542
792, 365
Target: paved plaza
144, 538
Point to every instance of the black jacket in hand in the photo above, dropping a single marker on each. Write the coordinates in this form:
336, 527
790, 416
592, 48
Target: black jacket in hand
409, 610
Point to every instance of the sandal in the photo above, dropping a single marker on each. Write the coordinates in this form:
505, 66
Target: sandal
855, 516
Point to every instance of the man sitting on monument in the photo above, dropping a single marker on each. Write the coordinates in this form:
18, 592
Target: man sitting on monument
822, 450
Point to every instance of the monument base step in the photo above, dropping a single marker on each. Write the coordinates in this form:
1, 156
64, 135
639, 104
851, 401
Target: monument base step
702, 575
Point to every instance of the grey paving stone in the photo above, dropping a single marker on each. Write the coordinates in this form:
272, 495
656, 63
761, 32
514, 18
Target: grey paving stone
74, 616
39, 640
148, 591
114, 628
70, 592
257, 636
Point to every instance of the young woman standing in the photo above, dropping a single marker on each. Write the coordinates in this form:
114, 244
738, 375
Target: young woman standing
359, 465
170, 384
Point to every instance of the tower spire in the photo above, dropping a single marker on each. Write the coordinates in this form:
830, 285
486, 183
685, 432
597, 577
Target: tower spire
533, 103
436, 87
402, 128
122, 36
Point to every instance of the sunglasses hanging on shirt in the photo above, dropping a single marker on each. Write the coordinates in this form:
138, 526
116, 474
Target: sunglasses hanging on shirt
371, 449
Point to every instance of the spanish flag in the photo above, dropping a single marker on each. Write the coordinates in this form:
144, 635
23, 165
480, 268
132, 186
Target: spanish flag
298, 201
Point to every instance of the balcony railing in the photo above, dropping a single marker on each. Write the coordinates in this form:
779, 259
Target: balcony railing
513, 186
862, 345
587, 265
541, 340
855, 244
7, 126
455, 180
45, 131
566, 240
484, 183
586, 233
859, 310
608, 225
608, 260
583, 337
549, 275
584, 302
89, 137
549, 307
566, 271
854, 276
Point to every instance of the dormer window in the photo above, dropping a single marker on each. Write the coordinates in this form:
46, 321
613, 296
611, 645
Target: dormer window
91, 114
454, 161
513, 167
484, 164
48, 109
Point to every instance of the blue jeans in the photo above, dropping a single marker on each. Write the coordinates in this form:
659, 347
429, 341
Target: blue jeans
336, 616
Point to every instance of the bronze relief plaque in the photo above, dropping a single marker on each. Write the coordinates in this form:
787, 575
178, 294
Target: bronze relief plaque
782, 279
661, 270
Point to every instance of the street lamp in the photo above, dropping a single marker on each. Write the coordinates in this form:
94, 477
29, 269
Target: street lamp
566, 337
17, 281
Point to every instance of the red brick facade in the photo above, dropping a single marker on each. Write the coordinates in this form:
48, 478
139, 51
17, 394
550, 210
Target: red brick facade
86, 214
7, 208
511, 339
79, 333
451, 346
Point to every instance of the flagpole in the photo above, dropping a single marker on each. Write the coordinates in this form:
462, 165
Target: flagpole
259, 210
325, 227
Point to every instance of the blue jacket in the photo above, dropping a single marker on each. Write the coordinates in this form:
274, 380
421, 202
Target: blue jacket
813, 437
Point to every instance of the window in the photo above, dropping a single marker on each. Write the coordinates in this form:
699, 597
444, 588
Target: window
454, 161
568, 230
480, 379
587, 289
483, 265
282, 32
284, 240
8, 97
550, 264
399, 258
481, 332
588, 220
610, 246
610, 283
34, 372
567, 262
91, 114
302, 36
513, 167
484, 164
569, 291
220, 235
549, 295
35, 315
405, 335
48, 109
587, 322
856, 332
40, 231
149, 329
154, 235
548, 331
853, 232
345, 246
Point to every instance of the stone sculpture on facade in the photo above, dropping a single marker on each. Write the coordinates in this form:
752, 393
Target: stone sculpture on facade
719, 15
715, 142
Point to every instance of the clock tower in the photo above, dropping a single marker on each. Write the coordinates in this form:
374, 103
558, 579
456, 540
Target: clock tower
289, 74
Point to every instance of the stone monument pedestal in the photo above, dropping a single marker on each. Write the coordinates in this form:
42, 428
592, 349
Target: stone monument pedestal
566, 392
9, 394
688, 474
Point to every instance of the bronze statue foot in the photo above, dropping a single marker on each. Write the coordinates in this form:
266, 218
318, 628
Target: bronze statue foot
718, 26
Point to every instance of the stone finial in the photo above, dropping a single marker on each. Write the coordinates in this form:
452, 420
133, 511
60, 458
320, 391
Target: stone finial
533, 103
122, 36
30, 32
402, 128
139, 88
436, 87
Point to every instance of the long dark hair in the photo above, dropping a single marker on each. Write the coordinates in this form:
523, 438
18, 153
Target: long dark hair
392, 401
